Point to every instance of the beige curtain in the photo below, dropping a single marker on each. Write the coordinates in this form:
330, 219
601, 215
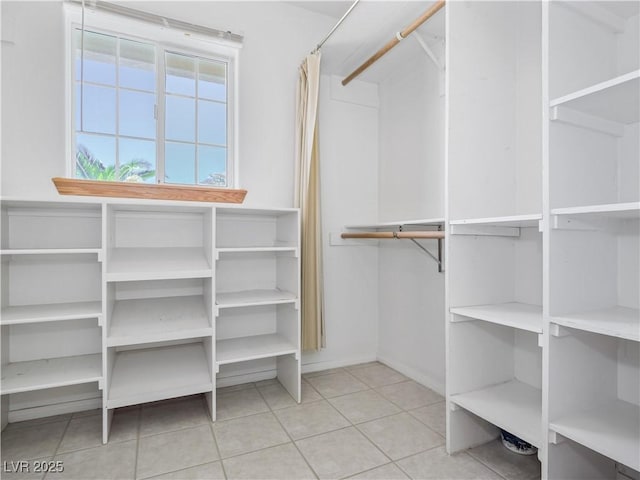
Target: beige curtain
307, 198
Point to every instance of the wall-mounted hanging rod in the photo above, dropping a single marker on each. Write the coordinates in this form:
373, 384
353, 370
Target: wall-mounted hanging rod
407, 234
395, 40
335, 27
410, 235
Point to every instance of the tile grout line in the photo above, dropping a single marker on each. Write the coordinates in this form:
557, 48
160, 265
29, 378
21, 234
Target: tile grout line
215, 440
367, 471
468, 452
55, 452
137, 455
351, 424
286, 431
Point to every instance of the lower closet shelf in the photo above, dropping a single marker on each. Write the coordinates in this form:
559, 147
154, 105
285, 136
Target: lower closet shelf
50, 312
158, 319
254, 298
513, 406
613, 430
50, 373
152, 374
242, 349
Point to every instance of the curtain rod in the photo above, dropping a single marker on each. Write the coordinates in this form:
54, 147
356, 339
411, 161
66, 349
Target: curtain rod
395, 40
160, 20
319, 46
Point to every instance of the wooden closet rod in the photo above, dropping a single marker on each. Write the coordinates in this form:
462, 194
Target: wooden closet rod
408, 234
395, 40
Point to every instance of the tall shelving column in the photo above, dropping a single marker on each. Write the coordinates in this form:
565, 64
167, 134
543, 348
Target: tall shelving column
258, 294
593, 208
51, 318
158, 291
494, 212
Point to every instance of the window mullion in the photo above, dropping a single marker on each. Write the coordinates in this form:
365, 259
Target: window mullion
160, 114
197, 72
117, 159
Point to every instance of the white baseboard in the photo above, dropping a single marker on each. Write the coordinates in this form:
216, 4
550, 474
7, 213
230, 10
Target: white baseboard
317, 366
54, 409
427, 380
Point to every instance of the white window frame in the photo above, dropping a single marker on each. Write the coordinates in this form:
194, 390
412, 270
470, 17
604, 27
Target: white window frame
170, 39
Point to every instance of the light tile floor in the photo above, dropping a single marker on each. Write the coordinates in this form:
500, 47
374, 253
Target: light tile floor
366, 421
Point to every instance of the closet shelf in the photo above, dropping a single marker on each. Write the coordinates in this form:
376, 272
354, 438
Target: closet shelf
242, 349
50, 251
50, 312
126, 264
258, 249
50, 373
628, 210
616, 99
149, 320
254, 298
520, 221
613, 430
517, 315
621, 322
513, 406
152, 374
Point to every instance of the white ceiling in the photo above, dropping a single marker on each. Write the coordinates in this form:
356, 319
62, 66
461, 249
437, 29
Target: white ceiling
368, 27
333, 9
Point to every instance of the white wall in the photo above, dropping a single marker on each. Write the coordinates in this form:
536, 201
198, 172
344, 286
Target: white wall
411, 186
277, 37
349, 189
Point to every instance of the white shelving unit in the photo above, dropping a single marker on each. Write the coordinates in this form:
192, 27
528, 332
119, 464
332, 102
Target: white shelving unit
120, 302
51, 309
159, 305
494, 243
257, 294
592, 318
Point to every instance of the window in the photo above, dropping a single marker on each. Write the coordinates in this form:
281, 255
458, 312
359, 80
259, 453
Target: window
148, 110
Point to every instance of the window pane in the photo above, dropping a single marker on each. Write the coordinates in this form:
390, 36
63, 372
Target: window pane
180, 117
212, 80
95, 157
137, 114
180, 74
99, 109
179, 164
99, 57
137, 65
137, 160
212, 122
212, 166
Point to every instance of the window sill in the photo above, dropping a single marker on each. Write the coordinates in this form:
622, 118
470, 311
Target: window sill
74, 186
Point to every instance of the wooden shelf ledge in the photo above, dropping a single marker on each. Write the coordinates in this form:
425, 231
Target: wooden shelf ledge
191, 193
